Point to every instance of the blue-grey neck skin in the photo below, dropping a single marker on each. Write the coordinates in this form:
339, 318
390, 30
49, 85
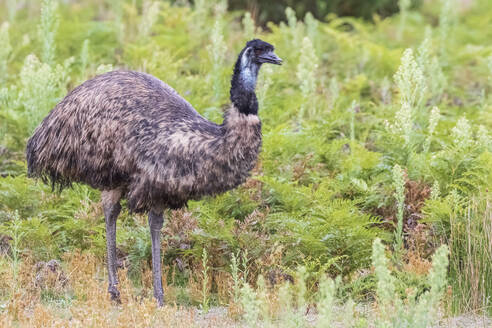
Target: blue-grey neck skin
243, 84
249, 73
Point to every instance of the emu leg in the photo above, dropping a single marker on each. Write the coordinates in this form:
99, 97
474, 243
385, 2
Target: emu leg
111, 207
155, 222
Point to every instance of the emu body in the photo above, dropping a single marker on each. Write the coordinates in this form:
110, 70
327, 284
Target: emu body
132, 136
130, 131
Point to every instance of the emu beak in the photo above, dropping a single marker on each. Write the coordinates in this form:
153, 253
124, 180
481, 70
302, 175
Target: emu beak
270, 57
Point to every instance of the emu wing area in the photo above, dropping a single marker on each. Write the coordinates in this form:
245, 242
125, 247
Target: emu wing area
123, 129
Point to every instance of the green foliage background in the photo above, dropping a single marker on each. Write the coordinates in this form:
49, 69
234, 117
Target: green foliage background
332, 116
266, 11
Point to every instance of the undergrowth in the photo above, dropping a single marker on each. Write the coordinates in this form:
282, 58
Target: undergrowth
370, 130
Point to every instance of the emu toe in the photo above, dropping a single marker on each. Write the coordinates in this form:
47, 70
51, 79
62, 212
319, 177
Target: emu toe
115, 294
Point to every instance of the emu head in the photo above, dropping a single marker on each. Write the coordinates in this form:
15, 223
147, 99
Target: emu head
260, 52
256, 53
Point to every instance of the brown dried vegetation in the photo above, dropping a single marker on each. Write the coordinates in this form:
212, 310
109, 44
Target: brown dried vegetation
83, 300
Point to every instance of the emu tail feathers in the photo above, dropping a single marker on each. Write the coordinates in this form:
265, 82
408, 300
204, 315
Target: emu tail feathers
39, 168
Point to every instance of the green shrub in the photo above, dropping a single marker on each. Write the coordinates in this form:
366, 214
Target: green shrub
323, 188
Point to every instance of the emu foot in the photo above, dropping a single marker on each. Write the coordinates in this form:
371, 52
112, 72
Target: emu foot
115, 294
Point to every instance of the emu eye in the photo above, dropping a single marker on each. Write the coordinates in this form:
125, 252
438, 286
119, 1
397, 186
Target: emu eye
258, 52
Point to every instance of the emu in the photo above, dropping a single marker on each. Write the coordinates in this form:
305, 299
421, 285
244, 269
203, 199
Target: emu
132, 136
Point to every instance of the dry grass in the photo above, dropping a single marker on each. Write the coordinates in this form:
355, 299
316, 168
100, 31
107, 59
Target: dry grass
471, 248
84, 301
75, 295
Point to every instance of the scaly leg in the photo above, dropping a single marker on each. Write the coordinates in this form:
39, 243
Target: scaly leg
155, 222
111, 207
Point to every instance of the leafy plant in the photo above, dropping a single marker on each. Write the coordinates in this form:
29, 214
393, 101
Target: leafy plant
306, 70
47, 30
42, 86
399, 184
149, 17
5, 50
326, 183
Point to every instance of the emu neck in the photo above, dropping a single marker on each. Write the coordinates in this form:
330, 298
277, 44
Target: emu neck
243, 86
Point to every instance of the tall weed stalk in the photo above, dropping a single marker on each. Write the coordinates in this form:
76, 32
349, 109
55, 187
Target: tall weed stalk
306, 74
404, 6
217, 50
205, 281
149, 18
5, 51
419, 312
48, 28
41, 87
249, 26
399, 185
446, 22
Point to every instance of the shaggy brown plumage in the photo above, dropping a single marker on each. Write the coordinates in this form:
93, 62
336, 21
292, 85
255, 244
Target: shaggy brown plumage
131, 135
128, 129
